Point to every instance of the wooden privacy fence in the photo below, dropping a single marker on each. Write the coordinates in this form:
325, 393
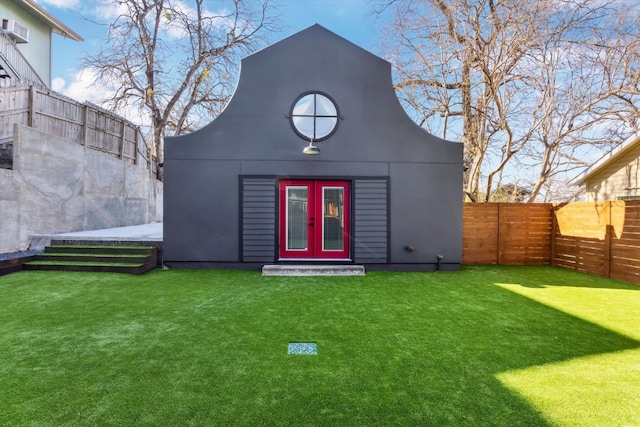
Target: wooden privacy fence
85, 124
601, 238
506, 233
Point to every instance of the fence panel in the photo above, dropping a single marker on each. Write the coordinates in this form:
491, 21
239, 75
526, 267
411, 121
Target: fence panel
601, 238
58, 116
581, 237
506, 233
14, 108
480, 233
525, 233
625, 242
102, 133
129, 151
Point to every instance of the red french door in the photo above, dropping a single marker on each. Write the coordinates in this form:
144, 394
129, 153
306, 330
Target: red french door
314, 219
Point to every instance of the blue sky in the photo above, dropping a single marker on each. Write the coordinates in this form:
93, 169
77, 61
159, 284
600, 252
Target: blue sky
351, 19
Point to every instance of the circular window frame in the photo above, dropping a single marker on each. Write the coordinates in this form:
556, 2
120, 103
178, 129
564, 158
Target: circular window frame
305, 136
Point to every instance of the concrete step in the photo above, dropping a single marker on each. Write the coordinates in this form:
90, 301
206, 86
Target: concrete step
312, 270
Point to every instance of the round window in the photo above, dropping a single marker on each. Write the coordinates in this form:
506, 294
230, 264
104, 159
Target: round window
314, 116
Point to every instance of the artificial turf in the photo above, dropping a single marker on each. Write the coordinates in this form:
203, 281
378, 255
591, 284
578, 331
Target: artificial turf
485, 346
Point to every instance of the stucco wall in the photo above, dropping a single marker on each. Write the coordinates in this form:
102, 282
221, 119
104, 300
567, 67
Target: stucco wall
57, 186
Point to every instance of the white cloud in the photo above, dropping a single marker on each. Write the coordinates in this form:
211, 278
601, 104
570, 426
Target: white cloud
81, 88
57, 84
104, 10
109, 10
175, 28
62, 4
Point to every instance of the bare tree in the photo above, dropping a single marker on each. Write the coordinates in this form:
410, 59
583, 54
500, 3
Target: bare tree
175, 60
524, 85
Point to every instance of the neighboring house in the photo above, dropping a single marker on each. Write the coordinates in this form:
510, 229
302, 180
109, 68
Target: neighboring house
616, 176
313, 160
26, 33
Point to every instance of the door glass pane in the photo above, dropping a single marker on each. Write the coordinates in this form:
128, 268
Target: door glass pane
297, 204
332, 218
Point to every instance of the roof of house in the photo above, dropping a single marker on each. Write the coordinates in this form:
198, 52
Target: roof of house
57, 26
607, 159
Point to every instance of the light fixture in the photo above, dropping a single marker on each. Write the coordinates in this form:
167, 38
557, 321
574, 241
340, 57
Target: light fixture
311, 149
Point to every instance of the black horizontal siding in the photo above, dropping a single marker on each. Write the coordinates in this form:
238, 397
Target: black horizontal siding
371, 221
258, 219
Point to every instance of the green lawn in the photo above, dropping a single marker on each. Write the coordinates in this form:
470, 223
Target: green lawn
485, 346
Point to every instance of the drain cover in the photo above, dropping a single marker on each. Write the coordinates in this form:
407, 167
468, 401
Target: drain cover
303, 348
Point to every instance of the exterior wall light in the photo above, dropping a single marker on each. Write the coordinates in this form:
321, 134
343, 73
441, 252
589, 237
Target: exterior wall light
311, 149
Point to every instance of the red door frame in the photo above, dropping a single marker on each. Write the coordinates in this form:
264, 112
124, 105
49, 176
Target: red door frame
315, 223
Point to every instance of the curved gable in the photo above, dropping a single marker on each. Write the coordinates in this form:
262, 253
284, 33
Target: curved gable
255, 125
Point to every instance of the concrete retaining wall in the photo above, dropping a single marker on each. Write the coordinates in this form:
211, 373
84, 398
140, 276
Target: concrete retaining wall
57, 186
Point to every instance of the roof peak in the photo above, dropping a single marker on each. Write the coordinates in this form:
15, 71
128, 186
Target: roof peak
316, 29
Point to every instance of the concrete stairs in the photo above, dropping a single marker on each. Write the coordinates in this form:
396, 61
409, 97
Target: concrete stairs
312, 270
95, 258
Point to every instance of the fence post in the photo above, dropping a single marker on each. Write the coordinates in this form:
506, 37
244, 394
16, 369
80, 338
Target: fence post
501, 244
607, 242
136, 160
554, 228
31, 121
607, 252
85, 126
123, 139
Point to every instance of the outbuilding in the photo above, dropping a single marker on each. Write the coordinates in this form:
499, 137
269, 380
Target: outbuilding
314, 160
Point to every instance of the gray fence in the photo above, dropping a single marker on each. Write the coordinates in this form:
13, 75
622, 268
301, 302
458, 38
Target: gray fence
85, 124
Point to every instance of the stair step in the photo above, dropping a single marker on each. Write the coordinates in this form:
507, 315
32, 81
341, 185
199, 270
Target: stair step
86, 263
112, 257
96, 258
111, 267
100, 249
313, 270
14, 264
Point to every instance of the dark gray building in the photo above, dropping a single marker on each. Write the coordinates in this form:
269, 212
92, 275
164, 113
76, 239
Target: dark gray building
313, 160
